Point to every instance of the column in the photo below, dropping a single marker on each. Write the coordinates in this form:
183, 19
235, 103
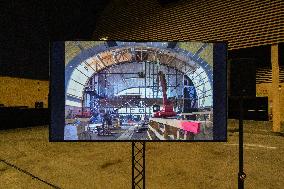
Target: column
166, 132
82, 103
229, 79
177, 134
275, 89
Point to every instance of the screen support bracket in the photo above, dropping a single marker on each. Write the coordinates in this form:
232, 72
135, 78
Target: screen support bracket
138, 165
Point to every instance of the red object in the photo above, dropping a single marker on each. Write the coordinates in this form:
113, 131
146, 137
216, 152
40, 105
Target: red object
167, 110
191, 126
84, 114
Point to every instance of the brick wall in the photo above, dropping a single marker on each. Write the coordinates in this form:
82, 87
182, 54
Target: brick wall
23, 92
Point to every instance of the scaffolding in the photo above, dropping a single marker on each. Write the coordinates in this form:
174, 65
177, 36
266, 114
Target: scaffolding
108, 80
137, 67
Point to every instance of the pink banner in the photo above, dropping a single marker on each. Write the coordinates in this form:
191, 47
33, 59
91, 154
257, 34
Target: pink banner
191, 126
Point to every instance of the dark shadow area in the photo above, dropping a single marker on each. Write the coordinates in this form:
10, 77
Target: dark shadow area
26, 50
19, 117
255, 108
261, 54
110, 163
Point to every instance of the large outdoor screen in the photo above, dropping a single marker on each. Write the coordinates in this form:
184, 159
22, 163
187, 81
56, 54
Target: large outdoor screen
138, 90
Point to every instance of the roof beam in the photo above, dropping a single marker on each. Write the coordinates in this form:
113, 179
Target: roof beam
79, 45
86, 63
78, 82
200, 50
81, 72
171, 60
101, 60
115, 57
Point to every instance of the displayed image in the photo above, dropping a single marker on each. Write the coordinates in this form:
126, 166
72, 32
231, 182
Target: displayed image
117, 90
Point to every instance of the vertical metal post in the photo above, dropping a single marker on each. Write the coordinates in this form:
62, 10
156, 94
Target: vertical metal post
168, 91
241, 174
149, 74
153, 71
105, 85
145, 80
99, 76
138, 165
157, 71
176, 87
182, 92
93, 87
83, 102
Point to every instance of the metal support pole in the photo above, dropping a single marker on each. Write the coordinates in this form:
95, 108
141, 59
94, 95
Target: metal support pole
83, 103
138, 165
176, 103
93, 87
145, 75
105, 85
241, 174
153, 81
183, 93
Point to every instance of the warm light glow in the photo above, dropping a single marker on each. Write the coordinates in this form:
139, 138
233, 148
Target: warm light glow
104, 38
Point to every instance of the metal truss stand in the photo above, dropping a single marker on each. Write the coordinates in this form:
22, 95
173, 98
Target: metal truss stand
241, 174
138, 165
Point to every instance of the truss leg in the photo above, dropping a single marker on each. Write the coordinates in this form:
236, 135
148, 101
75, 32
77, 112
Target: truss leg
138, 165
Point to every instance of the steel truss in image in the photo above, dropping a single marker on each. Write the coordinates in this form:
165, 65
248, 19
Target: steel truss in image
138, 165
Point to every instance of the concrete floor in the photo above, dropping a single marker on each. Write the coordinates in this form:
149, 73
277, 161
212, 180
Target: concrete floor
168, 165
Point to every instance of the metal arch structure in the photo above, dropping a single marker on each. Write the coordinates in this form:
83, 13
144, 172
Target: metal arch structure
132, 79
92, 60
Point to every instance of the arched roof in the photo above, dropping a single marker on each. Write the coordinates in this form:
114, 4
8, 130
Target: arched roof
93, 57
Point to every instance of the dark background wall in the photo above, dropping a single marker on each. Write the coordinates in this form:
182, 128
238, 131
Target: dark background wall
243, 64
28, 26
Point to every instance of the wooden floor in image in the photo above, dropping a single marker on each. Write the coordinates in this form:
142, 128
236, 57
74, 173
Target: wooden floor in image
28, 160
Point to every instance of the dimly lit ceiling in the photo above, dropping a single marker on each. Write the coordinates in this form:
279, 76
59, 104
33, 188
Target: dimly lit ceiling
30, 25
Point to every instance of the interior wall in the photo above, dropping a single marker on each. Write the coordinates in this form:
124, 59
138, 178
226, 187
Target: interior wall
23, 92
265, 89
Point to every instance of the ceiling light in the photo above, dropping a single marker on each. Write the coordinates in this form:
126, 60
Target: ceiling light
104, 38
